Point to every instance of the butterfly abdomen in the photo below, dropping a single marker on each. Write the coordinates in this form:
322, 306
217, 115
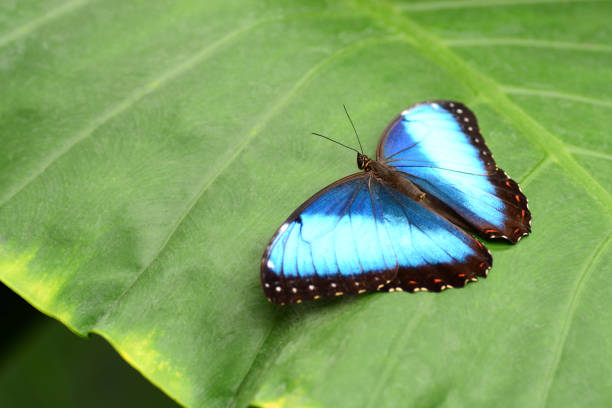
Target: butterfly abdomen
398, 181
393, 178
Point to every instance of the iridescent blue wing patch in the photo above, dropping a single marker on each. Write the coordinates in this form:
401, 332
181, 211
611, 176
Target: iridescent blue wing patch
439, 147
360, 235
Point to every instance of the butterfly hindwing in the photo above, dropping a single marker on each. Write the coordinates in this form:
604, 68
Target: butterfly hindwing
433, 254
360, 235
439, 147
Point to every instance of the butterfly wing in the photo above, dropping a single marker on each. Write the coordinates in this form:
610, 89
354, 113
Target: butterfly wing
329, 246
439, 147
360, 235
432, 253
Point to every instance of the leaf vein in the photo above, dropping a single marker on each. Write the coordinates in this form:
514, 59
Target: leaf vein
480, 84
35, 23
529, 43
282, 102
537, 169
583, 276
512, 90
390, 363
127, 103
442, 5
588, 152
231, 155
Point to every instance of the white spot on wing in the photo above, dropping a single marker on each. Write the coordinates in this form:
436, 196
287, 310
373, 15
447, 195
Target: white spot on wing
283, 228
270, 264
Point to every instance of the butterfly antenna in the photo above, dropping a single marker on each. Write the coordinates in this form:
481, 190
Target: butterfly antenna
330, 139
353, 125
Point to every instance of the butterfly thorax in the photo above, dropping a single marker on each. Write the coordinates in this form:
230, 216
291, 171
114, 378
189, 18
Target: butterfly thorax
389, 176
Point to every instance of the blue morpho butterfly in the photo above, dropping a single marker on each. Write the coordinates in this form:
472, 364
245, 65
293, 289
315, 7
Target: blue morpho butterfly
398, 225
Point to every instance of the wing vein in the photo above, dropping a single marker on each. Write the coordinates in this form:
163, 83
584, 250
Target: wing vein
443, 168
472, 188
422, 230
347, 211
376, 222
401, 206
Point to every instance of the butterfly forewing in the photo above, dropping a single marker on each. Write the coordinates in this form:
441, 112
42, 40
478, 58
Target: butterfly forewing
438, 146
330, 246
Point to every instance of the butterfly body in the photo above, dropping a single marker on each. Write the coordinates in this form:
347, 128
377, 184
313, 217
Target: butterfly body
388, 175
399, 224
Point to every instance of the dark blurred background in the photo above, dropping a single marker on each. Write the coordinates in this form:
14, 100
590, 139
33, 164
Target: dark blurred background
43, 364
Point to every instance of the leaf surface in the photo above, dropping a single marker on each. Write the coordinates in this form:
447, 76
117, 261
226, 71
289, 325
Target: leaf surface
150, 151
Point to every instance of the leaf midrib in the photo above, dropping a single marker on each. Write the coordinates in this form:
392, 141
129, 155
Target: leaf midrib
434, 49
429, 44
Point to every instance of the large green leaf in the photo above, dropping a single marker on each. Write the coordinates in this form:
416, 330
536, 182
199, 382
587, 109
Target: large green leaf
150, 149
